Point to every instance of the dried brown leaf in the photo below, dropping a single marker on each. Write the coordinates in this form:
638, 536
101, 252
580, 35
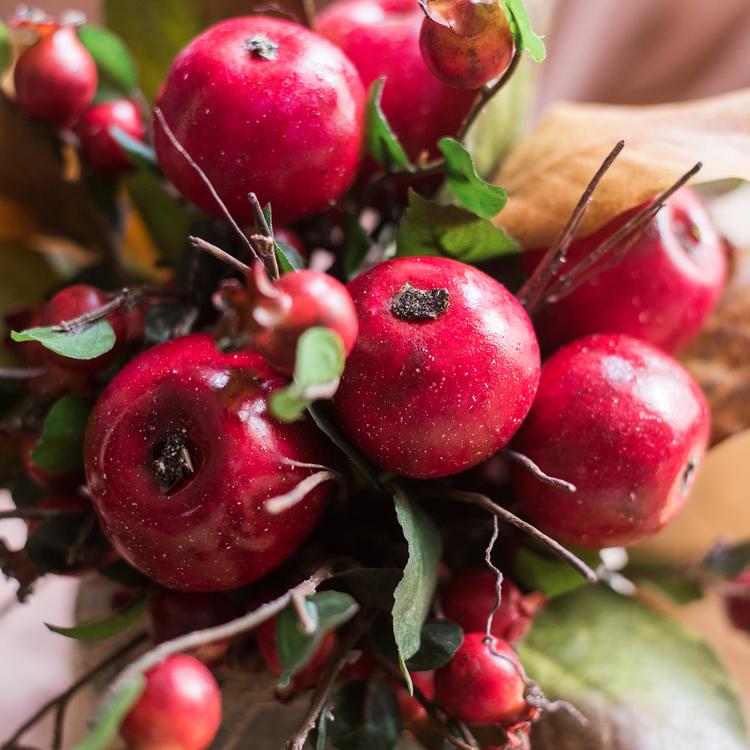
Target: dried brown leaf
547, 171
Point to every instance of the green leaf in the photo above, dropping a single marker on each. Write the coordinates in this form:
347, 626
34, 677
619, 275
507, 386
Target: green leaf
520, 25
6, 48
118, 73
439, 640
165, 217
107, 724
140, 153
543, 574
382, 143
414, 593
88, 342
431, 229
642, 680
728, 560
357, 243
317, 369
366, 716
60, 448
329, 609
107, 627
472, 192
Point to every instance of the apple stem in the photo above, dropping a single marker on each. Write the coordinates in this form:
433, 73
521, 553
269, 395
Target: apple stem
21, 373
60, 701
264, 242
531, 467
497, 572
482, 501
204, 178
532, 291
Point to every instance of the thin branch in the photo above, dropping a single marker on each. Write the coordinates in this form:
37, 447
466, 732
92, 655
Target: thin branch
124, 297
576, 275
21, 373
487, 93
220, 254
268, 247
325, 686
192, 641
282, 503
498, 575
204, 178
482, 501
306, 620
38, 513
532, 291
82, 681
530, 466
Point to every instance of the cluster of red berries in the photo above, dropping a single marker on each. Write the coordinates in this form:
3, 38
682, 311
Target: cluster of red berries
55, 81
443, 364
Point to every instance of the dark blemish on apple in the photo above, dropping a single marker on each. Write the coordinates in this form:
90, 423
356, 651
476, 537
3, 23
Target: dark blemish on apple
419, 304
173, 461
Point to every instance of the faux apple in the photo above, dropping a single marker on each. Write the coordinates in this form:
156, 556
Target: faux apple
661, 291
444, 369
266, 106
623, 422
181, 456
382, 39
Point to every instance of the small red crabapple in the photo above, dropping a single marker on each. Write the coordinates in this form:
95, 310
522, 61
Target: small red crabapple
738, 603
483, 683
179, 709
281, 311
413, 713
466, 43
55, 79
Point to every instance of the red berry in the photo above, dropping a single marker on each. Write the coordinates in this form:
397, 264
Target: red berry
181, 456
55, 80
483, 683
414, 714
623, 422
663, 289
179, 709
310, 674
469, 598
738, 604
444, 370
466, 43
94, 130
282, 311
174, 613
262, 105
382, 39
76, 300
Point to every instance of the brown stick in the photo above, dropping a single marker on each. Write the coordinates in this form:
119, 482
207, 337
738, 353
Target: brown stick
220, 254
530, 466
532, 291
21, 373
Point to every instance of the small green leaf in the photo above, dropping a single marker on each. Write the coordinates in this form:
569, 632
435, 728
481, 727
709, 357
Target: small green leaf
317, 369
295, 648
87, 342
6, 48
107, 724
107, 627
431, 229
382, 143
728, 561
472, 192
140, 153
520, 25
643, 681
543, 574
366, 716
357, 243
414, 593
118, 73
60, 448
286, 256
439, 640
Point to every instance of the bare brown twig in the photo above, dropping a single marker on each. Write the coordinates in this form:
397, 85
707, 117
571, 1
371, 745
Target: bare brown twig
219, 254
530, 466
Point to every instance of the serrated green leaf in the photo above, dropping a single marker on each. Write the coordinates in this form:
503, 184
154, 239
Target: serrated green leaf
520, 25
642, 680
429, 228
318, 367
106, 627
107, 724
6, 48
88, 342
118, 73
295, 648
414, 593
472, 192
60, 447
382, 143
366, 716
140, 153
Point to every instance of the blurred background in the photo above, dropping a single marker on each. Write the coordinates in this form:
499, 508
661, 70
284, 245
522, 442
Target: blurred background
639, 52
